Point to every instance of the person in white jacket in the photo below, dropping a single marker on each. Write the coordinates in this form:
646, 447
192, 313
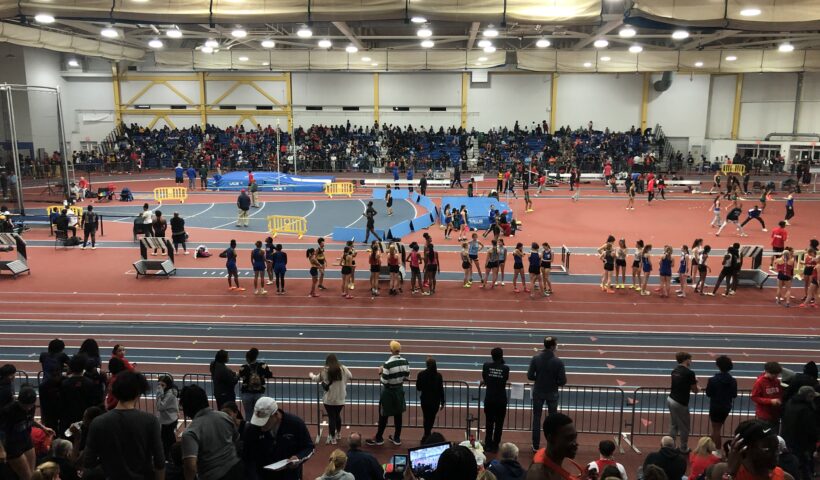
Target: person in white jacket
333, 378
168, 412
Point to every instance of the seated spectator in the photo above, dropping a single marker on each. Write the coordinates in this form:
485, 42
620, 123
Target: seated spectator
62, 455
788, 461
434, 438
78, 434
702, 457
42, 442
801, 428
668, 458
506, 466
606, 448
335, 469
208, 443
475, 447
362, 465
274, 435
63, 224
7, 374
232, 409
753, 457
456, 463
126, 195
16, 423
47, 471
654, 472
562, 444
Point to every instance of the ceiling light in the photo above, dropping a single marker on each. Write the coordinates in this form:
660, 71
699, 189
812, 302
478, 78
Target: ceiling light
239, 33
243, 59
325, 43
418, 20
635, 49
304, 32
174, 33
207, 49
605, 59
484, 43
73, 63
109, 32
587, 64
542, 43
482, 59
490, 49
265, 64
786, 47
43, 18
601, 43
680, 34
698, 64
427, 44
267, 43
731, 58
351, 49
750, 12
627, 32
211, 43
424, 32
366, 59
374, 64
155, 43
490, 32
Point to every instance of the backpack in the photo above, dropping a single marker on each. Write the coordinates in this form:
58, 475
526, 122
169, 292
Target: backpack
254, 379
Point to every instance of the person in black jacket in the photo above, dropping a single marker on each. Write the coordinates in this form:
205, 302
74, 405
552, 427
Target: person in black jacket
721, 390
274, 435
506, 466
362, 465
495, 374
808, 377
548, 373
430, 386
800, 429
669, 459
7, 374
243, 204
77, 393
224, 379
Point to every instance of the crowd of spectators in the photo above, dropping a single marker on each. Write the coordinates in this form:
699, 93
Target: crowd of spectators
91, 425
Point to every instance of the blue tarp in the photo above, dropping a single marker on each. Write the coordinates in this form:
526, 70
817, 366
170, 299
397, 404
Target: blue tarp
478, 209
268, 182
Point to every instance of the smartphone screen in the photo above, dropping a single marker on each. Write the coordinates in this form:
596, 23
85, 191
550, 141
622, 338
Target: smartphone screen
399, 463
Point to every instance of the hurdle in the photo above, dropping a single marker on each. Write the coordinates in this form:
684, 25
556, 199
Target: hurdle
287, 224
170, 193
736, 168
563, 267
339, 188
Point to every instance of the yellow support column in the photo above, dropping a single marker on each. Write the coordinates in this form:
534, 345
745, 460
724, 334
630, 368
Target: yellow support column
736, 112
376, 97
553, 101
289, 91
203, 113
645, 100
465, 84
115, 78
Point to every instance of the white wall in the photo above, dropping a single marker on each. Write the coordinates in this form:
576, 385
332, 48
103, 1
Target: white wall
13, 70
721, 106
43, 69
608, 100
681, 110
508, 98
809, 120
767, 104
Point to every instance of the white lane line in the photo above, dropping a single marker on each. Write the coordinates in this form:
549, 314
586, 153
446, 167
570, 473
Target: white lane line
312, 209
200, 213
357, 220
249, 216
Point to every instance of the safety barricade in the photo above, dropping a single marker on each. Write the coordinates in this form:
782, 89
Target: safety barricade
287, 224
163, 194
594, 409
736, 168
339, 188
650, 413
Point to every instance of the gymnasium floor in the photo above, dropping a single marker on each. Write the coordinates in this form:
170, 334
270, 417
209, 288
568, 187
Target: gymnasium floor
621, 340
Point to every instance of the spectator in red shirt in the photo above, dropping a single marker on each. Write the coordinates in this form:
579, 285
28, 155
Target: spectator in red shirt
702, 457
779, 237
767, 395
119, 352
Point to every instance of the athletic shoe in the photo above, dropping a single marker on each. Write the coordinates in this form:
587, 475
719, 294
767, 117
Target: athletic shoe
802, 305
268, 282
322, 287
352, 286
327, 442
502, 284
82, 248
709, 294
240, 289
467, 285
515, 290
645, 293
95, 247
374, 442
186, 251
395, 441
231, 288
681, 294
609, 290
731, 292
765, 230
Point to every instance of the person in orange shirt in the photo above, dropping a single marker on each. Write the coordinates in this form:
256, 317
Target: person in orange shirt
752, 455
562, 444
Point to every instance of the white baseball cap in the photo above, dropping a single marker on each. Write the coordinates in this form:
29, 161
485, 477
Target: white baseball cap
262, 410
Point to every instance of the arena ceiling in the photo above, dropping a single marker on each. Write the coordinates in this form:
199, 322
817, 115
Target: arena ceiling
544, 33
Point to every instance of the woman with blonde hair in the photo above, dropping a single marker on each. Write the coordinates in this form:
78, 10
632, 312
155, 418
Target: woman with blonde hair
393, 268
702, 457
333, 378
46, 471
335, 469
785, 272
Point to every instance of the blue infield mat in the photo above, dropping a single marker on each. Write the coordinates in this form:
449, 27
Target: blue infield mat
268, 182
478, 209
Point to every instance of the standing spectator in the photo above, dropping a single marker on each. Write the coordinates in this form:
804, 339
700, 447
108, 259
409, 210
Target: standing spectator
90, 223
333, 378
179, 173
168, 412
430, 386
126, 441
274, 435
548, 373
191, 172
253, 374
77, 393
243, 203
562, 443
7, 374
668, 458
362, 465
422, 187
684, 383
495, 374
16, 422
800, 429
118, 352
506, 466
203, 176
767, 395
178, 235
208, 443
335, 469
701, 458
147, 221
160, 227
807, 378
392, 375
253, 188
53, 362
224, 379
721, 390
606, 449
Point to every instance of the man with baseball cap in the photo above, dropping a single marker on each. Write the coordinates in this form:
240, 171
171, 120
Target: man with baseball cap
271, 436
391, 403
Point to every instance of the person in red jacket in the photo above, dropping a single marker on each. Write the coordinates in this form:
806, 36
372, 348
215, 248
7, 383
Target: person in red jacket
779, 237
767, 395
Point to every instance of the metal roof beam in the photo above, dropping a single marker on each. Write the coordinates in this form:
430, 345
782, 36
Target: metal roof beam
601, 31
345, 29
